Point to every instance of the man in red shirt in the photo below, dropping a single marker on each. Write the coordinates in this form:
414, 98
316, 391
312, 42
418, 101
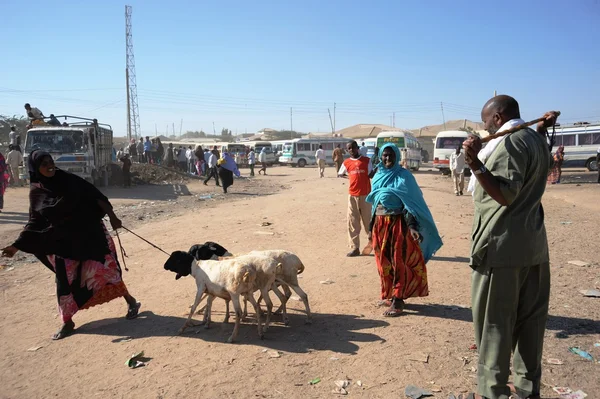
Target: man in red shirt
359, 171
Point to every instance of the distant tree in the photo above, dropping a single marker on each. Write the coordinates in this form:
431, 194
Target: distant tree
7, 121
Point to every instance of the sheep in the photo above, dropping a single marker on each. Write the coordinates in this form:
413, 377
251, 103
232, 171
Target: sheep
288, 277
226, 279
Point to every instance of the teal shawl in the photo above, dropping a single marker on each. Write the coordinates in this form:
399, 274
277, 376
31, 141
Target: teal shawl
395, 187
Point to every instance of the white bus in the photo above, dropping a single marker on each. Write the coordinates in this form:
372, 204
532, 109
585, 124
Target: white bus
277, 146
445, 144
258, 146
581, 144
407, 143
301, 152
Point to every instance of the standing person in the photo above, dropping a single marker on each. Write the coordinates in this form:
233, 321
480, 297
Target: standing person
154, 151
509, 253
67, 234
14, 138
120, 153
363, 149
251, 161
320, 157
556, 173
212, 168
160, 151
359, 171
148, 150
199, 160
403, 233
207, 155
216, 150
182, 159
14, 159
375, 158
262, 158
170, 156
140, 150
457, 167
338, 158
133, 150
126, 170
189, 155
4, 179
227, 168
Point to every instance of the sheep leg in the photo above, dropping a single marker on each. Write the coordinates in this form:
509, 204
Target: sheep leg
235, 298
245, 312
203, 307
282, 298
265, 294
226, 311
288, 294
304, 298
253, 303
192, 310
208, 312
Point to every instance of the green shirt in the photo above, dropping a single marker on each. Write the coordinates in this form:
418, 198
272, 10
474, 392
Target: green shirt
513, 235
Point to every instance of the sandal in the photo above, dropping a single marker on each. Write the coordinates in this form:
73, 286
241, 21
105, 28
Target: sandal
66, 330
132, 312
384, 302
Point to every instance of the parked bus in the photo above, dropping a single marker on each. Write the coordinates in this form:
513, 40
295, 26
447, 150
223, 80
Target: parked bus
370, 143
581, 144
407, 143
258, 146
301, 152
277, 146
445, 144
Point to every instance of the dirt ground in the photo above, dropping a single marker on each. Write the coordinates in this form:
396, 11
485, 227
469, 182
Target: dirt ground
349, 339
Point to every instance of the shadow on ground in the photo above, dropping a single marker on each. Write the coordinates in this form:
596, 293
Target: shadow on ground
334, 332
13, 217
563, 325
148, 192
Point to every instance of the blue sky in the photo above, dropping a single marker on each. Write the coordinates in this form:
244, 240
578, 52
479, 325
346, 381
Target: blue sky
243, 64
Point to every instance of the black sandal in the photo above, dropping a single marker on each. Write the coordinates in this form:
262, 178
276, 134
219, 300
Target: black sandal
132, 312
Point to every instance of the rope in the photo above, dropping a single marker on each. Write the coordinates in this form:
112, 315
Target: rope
146, 241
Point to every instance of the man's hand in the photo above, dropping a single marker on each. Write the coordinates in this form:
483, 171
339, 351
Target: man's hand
472, 146
549, 120
9, 251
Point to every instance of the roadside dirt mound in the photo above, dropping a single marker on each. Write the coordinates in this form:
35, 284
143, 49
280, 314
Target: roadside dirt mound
153, 174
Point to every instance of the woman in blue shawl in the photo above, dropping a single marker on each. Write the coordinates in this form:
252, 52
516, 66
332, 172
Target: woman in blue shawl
402, 231
227, 168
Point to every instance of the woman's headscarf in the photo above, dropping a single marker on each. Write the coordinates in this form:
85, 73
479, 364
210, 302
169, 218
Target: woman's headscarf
229, 164
396, 186
33, 164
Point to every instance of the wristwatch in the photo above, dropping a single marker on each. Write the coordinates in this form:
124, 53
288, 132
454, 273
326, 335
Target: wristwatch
481, 170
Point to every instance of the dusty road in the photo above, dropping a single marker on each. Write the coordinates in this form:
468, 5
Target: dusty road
427, 347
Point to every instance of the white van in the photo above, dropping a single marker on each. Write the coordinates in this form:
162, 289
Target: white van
404, 141
445, 144
581, 144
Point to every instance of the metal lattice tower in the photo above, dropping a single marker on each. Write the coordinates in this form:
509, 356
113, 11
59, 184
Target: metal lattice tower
133, 117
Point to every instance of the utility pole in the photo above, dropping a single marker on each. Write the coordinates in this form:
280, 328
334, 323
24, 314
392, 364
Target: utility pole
443, 117
334, 118
155, 130
390, 119
394, 124
214, 131
495, 93
173, 127
180, 128
133, 117
465, 124
331, 122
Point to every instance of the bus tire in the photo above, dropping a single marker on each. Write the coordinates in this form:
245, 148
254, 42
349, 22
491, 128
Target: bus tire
301, 163
446, 172
293, 165
591, 164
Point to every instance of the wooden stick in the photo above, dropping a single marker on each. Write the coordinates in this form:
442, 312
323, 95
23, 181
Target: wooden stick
516, 128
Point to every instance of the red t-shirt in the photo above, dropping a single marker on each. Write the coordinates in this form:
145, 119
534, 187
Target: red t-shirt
358, 173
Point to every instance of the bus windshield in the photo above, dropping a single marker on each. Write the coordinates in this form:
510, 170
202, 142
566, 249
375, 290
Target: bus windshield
56, 141
449, 143
399, 141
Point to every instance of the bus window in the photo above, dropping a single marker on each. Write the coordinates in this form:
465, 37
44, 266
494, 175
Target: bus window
566, 139
327, 146
303, 146
585, 139
596, 138
449, 143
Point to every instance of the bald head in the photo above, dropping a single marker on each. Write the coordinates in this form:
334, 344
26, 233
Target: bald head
499, 110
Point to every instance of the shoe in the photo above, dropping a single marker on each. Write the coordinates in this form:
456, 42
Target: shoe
205, 184
461, 193
353, 253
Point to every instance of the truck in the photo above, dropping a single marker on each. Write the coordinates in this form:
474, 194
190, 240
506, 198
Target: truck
81, 146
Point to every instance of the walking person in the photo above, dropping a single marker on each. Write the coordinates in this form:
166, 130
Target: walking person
320, 157
509, 253
4, 179
67, 234
403, 233
160, 152
251, 156
212, 168
359, 170
189, 155
14, 159
375, 158
170, 156
556, 173
262, 158
227, 168
181, 159
14, 138
207, 155
338, 158
457, 167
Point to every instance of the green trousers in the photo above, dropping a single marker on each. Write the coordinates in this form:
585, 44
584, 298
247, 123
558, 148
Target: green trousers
510, 309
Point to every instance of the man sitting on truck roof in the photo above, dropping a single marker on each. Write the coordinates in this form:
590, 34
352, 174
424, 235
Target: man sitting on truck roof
34, 113
53, 121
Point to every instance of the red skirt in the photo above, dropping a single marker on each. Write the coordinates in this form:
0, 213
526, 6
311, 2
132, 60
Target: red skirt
399, 259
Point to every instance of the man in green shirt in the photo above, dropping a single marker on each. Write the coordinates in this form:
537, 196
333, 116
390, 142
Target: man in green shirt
509, 254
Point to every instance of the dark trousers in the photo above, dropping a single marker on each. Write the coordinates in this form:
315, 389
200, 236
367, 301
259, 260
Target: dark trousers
147, 156
212, 172
251, 169
126, 178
